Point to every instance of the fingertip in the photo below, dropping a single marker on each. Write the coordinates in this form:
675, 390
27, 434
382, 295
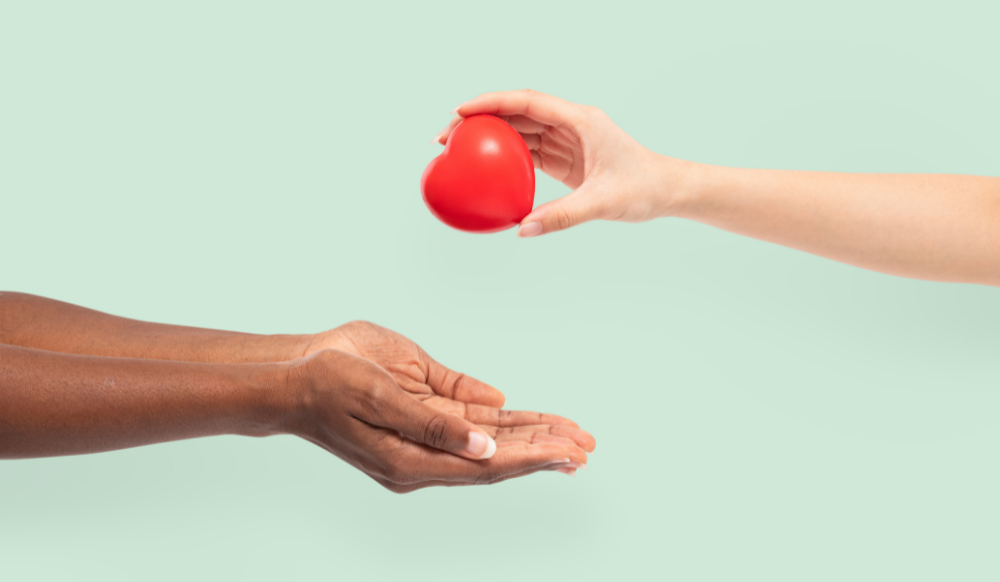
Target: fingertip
489, 400
529, 229
577, 455
582, 438
564, 452
472, 391
480, 445
481, 393
490, 450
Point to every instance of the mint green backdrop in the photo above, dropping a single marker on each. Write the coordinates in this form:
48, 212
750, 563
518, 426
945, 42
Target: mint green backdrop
761, 414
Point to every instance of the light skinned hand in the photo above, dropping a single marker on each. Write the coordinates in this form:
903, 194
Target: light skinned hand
613, 177
940, 227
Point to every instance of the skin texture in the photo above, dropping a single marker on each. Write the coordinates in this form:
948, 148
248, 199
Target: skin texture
77, 381
923, 226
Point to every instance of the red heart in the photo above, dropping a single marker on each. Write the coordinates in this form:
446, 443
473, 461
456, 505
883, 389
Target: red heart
484, 181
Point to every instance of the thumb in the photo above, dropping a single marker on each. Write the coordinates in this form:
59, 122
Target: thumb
421, 423
576, 208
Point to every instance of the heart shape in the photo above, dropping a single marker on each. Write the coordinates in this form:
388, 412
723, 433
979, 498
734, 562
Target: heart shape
484, 180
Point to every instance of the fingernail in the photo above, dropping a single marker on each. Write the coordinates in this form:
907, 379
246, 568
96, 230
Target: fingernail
530, 229
437, 138
455, 110
480, 445
567, 471
577, 465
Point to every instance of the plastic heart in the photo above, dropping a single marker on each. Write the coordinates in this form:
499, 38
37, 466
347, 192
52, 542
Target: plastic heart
484, 180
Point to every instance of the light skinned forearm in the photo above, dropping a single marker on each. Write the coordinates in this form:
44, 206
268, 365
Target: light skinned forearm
46, 324
54, 404
927, 226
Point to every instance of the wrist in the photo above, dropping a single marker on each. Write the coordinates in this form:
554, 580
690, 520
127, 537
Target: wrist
697, 186
267, 398
272, 348
679, 185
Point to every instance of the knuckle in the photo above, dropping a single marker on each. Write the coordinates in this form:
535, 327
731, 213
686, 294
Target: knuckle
591, 117
563, 218
373, 402
326, 357
379, 389
458, 382
374, 399
360, 325
436, 431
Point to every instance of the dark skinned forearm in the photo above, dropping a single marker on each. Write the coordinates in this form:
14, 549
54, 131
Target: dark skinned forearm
46, 324
55, 404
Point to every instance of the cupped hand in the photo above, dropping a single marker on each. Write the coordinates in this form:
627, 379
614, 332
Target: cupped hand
613, 177
451, 392
413, 423
414, 370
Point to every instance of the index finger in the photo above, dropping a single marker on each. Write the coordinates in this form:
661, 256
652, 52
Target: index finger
535, 105
457, 386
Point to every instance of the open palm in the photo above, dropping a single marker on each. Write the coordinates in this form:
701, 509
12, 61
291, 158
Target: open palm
451, 392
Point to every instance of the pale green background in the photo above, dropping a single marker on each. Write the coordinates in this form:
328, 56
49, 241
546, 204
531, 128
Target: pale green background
761, 414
